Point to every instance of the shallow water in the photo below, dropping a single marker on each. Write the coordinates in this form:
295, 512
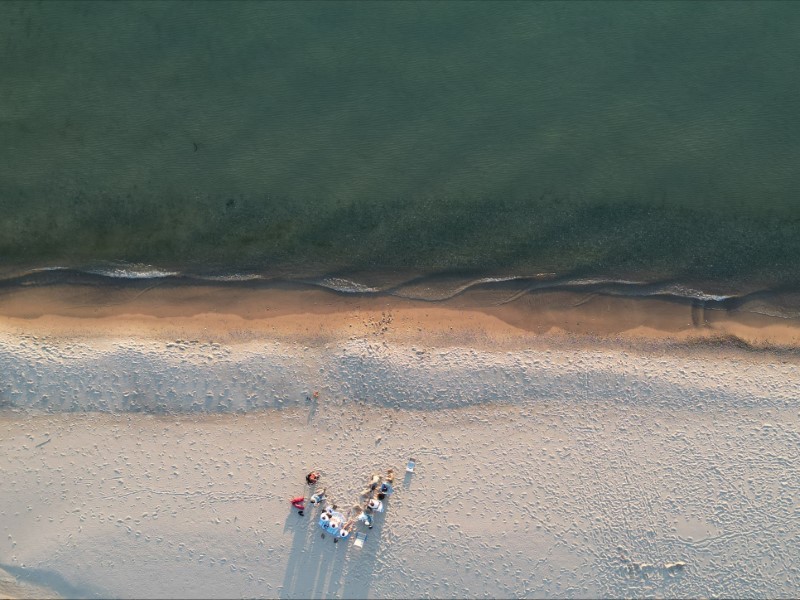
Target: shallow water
643, 141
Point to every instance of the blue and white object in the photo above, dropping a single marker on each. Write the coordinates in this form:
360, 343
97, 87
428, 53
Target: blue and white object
331, 522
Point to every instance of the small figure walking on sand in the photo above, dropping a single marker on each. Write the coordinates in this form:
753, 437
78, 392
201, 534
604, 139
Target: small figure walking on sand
312, 478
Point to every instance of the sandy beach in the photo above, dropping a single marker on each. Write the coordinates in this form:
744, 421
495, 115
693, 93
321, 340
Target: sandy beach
567, 445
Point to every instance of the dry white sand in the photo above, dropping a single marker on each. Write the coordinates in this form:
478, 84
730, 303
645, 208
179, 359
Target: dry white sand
553, 471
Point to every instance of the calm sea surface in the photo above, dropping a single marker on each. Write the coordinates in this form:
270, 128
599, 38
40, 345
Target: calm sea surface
647, 141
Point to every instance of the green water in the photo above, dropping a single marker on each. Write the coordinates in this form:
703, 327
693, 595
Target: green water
651, 139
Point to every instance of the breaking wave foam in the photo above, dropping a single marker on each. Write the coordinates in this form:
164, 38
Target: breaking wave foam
496, 289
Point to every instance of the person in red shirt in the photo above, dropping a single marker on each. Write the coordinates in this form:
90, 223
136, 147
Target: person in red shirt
299, 504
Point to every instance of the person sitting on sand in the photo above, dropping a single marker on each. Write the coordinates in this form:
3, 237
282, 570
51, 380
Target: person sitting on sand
312, 477
330, 508
324, 517
386, 487
374, 482
375, 505
346, 529
318, 497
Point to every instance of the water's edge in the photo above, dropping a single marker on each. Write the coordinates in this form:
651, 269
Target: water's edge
780, 302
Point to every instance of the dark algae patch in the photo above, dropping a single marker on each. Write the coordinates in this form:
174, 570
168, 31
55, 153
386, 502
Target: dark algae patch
636, 140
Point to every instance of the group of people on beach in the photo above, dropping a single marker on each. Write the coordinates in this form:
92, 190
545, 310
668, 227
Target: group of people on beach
371, 501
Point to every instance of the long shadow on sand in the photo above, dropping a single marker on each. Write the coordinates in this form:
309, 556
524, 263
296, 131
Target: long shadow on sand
362, 563
315, 565
54, 581
319, 568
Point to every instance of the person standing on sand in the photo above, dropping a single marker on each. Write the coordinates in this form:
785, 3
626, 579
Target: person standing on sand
312, 478
299, 504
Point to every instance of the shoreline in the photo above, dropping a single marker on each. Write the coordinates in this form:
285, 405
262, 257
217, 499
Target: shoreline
318, 316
